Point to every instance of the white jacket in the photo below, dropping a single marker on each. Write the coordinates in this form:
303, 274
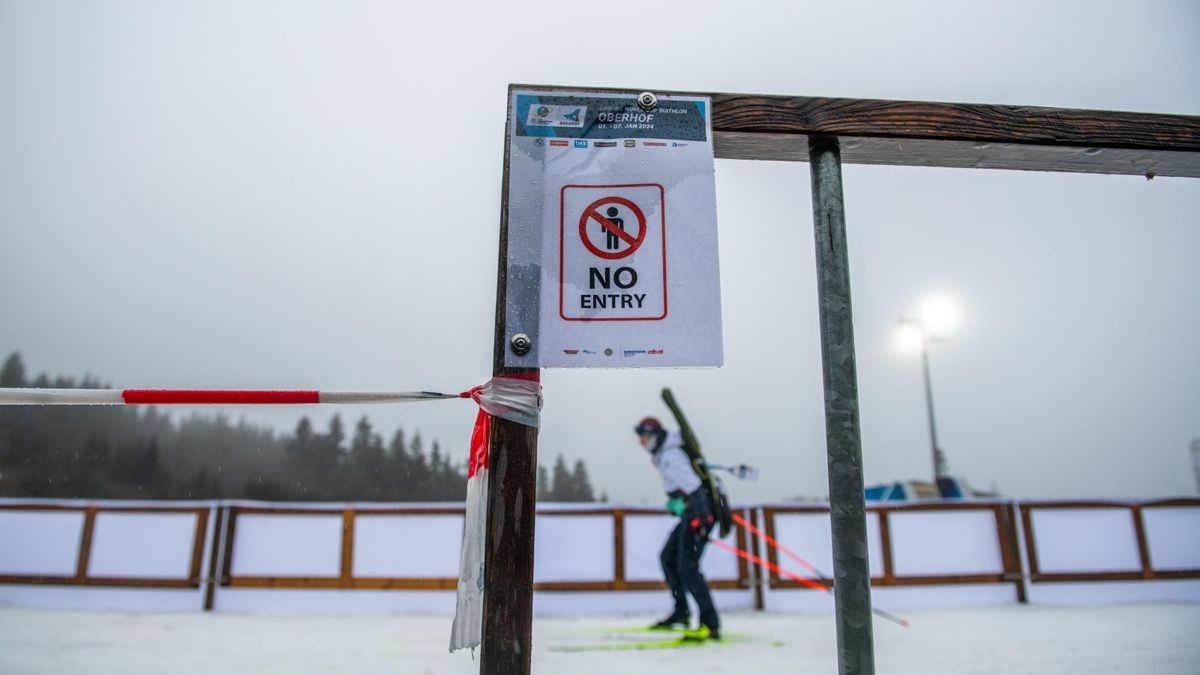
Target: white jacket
674, 465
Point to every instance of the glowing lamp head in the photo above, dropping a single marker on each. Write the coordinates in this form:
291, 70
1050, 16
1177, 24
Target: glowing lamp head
910, 337
940, 314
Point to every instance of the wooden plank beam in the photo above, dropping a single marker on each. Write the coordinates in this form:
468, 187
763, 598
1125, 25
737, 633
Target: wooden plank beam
953, 135
959, 135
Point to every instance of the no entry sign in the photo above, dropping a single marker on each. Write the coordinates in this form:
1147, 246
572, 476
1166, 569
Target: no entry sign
612, 225
612, 232
612, 262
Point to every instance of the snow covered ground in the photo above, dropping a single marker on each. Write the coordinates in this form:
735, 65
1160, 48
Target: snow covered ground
1160, 639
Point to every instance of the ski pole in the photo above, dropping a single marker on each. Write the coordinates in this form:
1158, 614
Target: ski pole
770, 540
807, 565
742, 471
770, 565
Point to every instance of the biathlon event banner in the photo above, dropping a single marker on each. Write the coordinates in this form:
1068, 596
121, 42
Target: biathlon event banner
612, 231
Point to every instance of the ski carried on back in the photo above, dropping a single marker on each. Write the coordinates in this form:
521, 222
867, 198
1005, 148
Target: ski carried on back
691, 445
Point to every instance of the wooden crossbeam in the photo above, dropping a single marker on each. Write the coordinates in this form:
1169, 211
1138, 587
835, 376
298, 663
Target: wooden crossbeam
955, 135
959, 135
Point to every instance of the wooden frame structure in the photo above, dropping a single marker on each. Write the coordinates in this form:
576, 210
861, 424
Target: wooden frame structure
83, 576
1006, 539
825, 132
1014, 532
347, 580
1147, 571
619, 582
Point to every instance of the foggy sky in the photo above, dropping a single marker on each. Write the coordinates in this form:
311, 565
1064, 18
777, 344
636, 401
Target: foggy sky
306, 195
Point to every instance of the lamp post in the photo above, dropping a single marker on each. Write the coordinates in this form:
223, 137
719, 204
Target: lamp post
937, 315
939, 457
1196, 461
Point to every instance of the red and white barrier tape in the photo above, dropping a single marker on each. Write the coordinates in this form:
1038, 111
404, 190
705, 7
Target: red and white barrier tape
209, 396
516, 397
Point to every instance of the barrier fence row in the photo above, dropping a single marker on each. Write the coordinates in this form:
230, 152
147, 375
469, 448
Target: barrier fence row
209, 546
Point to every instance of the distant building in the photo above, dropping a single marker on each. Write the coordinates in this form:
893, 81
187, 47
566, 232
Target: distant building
947, 487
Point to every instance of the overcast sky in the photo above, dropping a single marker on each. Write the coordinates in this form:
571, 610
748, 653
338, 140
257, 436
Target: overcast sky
306, 195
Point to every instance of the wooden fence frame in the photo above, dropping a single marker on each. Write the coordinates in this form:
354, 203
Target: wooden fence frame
1136, 509
220, 545
346, 579
82, 577
1006, 537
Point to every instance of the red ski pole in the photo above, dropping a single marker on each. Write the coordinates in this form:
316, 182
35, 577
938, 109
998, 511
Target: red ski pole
809, 566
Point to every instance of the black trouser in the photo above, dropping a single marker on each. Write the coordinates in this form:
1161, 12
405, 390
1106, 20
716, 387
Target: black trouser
680, 559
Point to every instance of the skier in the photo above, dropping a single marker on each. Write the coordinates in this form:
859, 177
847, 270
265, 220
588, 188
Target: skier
689, 499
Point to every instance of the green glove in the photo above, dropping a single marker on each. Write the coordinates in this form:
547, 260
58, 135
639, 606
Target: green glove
675, 506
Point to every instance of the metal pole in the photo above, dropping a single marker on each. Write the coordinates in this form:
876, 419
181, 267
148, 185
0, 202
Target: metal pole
847, 507
1196, 461
939, 459
507, 635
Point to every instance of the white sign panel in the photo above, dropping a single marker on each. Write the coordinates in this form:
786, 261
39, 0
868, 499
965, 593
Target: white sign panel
612, 249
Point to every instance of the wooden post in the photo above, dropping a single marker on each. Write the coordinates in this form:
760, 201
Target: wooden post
888, 573
85, 544
1010, 548
757, 574
214, 558
346, 571
511, 502
619, 550
1139, 528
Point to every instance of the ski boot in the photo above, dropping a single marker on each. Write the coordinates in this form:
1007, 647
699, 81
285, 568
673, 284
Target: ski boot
672, 622
702, 633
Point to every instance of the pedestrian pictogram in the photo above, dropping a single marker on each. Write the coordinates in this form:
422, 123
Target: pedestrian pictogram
613, 253
602, 219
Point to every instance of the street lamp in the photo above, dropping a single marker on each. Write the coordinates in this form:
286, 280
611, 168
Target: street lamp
938, 315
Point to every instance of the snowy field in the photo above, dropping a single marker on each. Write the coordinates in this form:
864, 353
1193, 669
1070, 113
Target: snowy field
1161, 639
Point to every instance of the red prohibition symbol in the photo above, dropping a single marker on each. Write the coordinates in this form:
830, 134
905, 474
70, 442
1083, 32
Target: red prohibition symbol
600, 213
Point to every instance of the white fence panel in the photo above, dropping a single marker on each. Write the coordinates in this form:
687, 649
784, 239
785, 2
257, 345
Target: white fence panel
407, 546
573, 548
287, 545
1173, 535
164, 544
1085, 540
810, 537
938, 543
644, 539
44, 544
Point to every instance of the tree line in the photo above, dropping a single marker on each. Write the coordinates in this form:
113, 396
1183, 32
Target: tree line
126, 452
